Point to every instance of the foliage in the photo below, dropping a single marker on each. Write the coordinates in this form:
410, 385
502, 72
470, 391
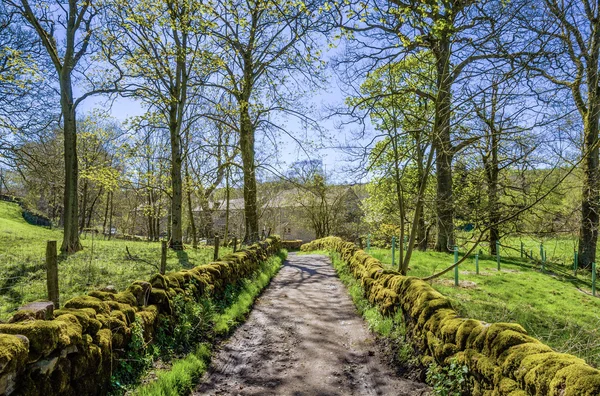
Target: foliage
448, 380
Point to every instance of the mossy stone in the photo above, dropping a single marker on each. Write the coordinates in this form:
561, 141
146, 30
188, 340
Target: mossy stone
44, 336
88, 302
101, 295
13, 352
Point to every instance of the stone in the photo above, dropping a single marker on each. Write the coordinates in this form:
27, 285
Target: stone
109, 289
41, 310
7, 383
45, 366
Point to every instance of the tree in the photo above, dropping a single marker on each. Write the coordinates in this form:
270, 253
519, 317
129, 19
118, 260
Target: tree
563, 43
403, 120
268, 58
457, 37
158, 46
66, 31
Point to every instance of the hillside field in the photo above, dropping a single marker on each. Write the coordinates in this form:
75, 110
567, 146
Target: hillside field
553, 306
100, 263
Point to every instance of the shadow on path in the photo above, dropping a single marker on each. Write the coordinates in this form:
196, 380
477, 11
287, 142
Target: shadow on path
303, 337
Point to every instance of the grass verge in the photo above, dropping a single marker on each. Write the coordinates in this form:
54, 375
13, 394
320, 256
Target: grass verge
184, 373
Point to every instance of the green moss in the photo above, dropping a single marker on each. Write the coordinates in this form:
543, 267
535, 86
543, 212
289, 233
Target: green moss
82, 317
567, 377
126, 297
159, 281
505, 340
465, 330
73, 329
511, 359
88, 302
585, 386
103, 339
540, 370
13, 352
44, 335
127, 310
22, 315
100, 295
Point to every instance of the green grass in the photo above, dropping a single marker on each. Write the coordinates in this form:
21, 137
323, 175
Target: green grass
554, 307
100, 263
183, 375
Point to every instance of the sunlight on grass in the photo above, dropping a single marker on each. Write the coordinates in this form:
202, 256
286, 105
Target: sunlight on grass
554, 306
100, 263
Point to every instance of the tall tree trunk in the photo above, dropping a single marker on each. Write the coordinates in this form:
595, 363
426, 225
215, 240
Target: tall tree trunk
588, 233
444, 150
422, 177
191, 209
71, 241
417, 214
176, 240
227, 199
491, 171
247, 149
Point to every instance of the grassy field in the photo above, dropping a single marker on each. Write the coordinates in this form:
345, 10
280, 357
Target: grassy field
100, 263
554, 306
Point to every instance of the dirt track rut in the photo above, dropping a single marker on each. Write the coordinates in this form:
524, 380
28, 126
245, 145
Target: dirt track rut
303, 337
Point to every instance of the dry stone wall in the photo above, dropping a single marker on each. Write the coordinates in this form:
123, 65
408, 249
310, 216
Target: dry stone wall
502, 358
73, 352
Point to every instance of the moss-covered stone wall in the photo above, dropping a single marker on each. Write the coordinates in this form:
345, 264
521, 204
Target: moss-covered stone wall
74, 353
292, 244
502, 358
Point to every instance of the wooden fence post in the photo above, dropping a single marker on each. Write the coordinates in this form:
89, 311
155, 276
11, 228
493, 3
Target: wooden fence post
521, 249
216, 255
455, 268
498, 254
52, 273
163, 257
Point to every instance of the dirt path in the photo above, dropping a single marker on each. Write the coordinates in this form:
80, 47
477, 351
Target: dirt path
303, 337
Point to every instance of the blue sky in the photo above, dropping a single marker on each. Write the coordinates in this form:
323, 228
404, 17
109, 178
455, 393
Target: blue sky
334, 160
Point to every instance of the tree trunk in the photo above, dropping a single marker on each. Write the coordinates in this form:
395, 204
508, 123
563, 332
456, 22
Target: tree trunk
227, 199
492, 171
588, 233
443, 149
247, 149
71, 241
191, 211
176, 240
